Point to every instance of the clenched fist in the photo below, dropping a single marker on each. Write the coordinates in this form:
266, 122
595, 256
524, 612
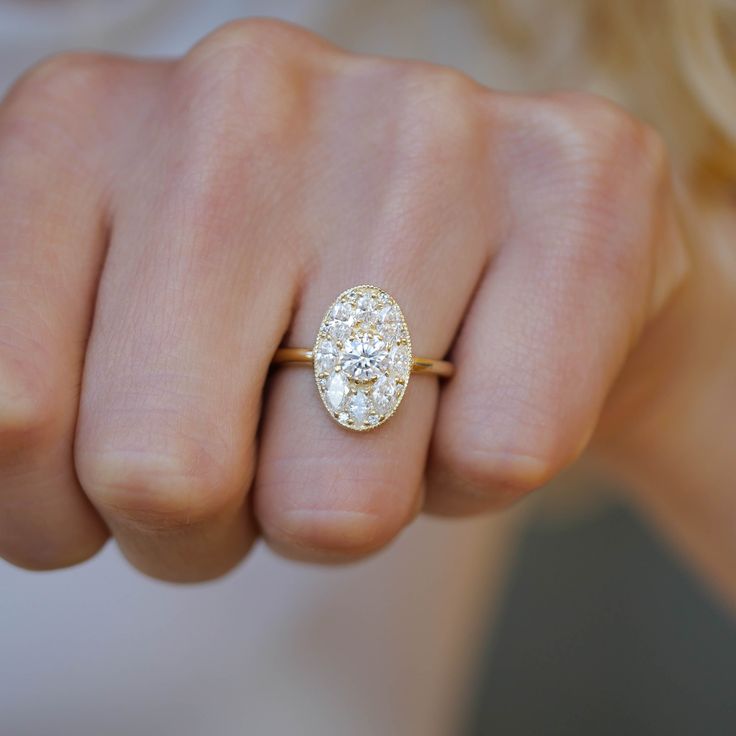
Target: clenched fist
166, 225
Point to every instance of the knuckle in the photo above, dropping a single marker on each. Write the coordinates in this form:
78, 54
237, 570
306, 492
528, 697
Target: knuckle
51, 554
232, 50
52, 111
239, 73
594, 117
67, 79
511, 468
29, 409
594, 162
595, 134
440, 113
249, 38
345, 525
163, 491
328, 534
249, 60
430, 104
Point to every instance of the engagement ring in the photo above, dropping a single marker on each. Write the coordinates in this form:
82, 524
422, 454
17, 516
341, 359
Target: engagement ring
362, 358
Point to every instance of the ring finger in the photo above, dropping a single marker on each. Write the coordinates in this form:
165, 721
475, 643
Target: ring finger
323, 492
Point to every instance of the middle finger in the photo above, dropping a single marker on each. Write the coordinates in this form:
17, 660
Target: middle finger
182, 337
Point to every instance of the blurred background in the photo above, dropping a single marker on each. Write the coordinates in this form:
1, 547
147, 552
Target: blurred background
602, 631
566, 615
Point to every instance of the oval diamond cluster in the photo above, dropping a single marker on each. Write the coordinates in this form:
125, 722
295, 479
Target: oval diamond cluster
362, 357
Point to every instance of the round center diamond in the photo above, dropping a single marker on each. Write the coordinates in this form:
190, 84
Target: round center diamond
365, 357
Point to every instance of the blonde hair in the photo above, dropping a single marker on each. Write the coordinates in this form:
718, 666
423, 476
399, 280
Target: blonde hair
671, 62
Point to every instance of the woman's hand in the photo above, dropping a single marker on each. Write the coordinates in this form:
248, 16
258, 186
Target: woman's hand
165, 226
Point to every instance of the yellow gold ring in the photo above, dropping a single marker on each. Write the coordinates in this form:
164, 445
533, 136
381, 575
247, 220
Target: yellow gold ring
362, 358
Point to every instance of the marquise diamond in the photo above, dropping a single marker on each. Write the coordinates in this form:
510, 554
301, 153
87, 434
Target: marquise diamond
337, 388
326, 359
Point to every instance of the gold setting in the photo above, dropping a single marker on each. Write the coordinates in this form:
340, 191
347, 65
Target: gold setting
362, 358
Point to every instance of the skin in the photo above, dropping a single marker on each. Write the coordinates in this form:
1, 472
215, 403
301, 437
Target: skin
166, 225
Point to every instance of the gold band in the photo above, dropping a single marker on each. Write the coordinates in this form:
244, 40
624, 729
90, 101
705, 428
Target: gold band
420, 365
